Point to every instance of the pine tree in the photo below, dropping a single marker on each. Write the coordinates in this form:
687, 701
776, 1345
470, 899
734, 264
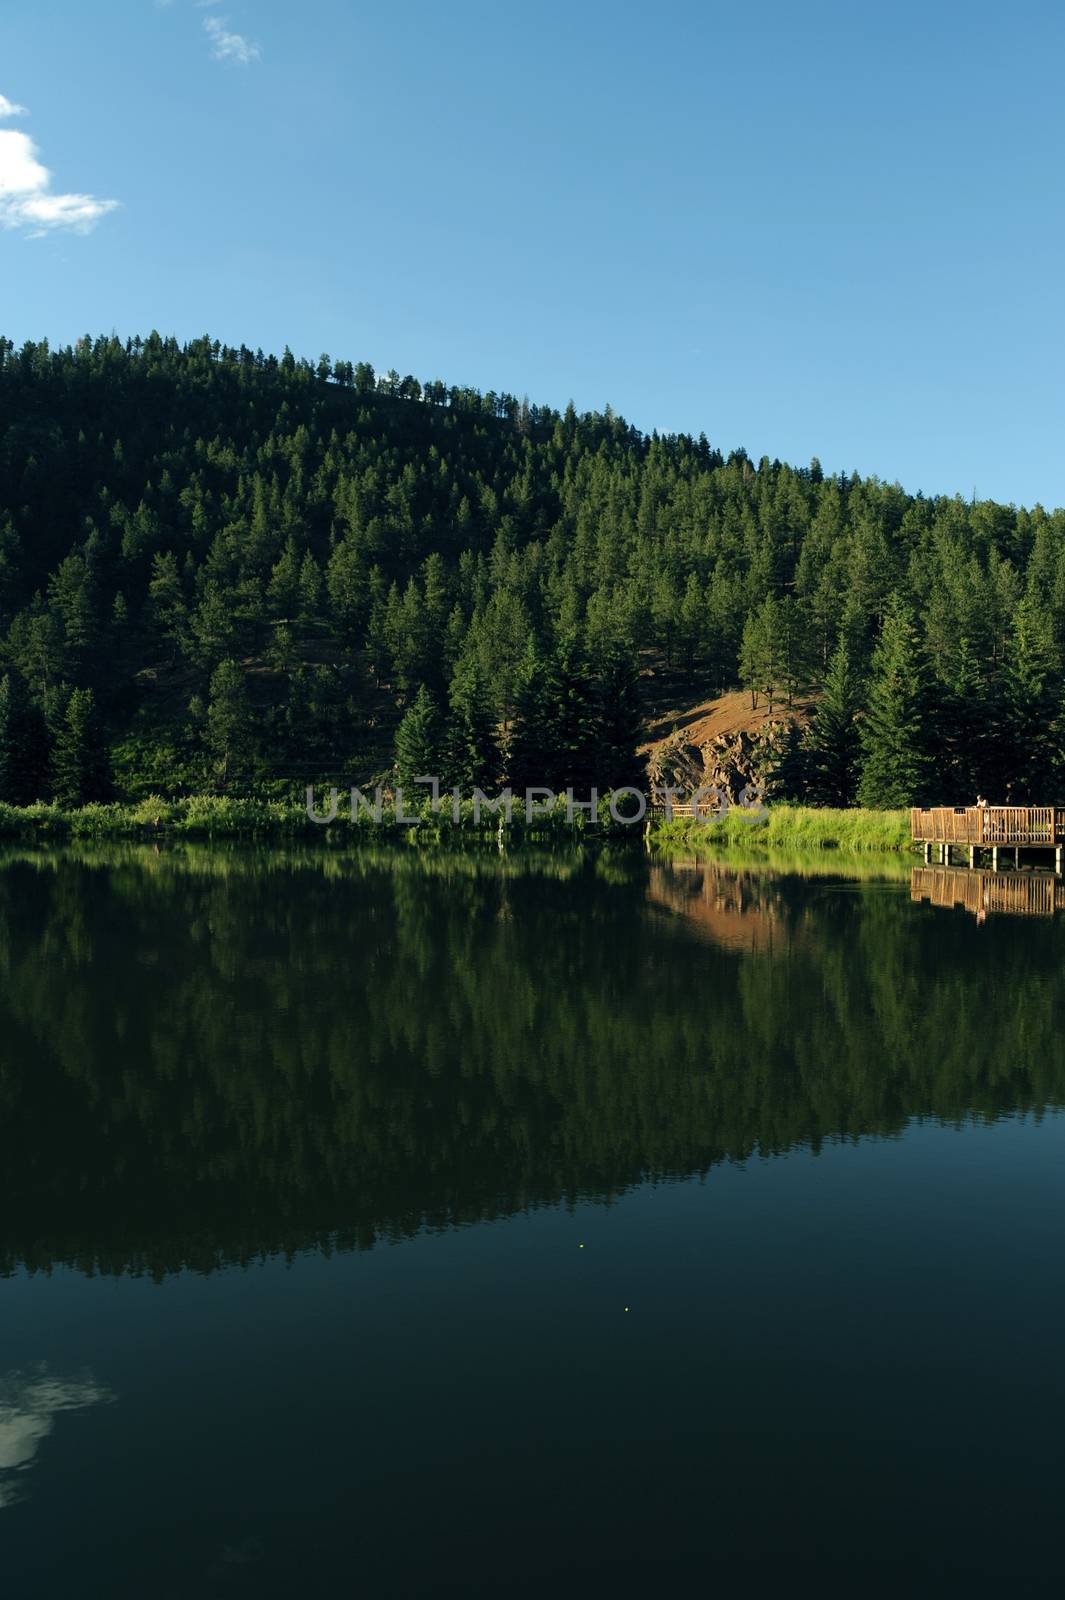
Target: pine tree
750, 658
1057, 775
765, 649
307, 729
972, 734
897, 765
1032, 688
79, 769
794, 648
530, 730
309, 589
419, 740
23, 745
283, 590
166, 598
833, 742
572, 725
472, 747
230, 729
620, 724
347, 589
692, 628
71, 593
772, 648
788, 764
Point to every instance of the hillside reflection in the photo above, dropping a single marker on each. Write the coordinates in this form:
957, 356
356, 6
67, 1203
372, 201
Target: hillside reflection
211, 1055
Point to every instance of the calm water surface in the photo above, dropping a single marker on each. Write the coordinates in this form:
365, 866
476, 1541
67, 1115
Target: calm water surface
400, 1226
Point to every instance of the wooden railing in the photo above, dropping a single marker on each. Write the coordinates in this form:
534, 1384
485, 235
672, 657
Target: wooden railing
988, 825
1031, 894
948, 824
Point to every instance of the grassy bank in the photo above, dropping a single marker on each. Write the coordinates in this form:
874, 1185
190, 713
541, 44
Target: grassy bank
198, 816
221, 816
249, 817
791, 828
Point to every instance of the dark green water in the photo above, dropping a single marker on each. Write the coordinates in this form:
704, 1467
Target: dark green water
400, 1227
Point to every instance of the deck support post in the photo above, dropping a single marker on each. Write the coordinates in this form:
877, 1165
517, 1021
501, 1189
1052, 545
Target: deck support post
972, 855
928, 853
1057, 859
1017, 856
994, 858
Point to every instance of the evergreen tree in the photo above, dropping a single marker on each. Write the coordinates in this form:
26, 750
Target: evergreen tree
973, 726
570, 703
788, 766
308, 732
23, 745
230, 728
794, 648
691, 624
472, 746
166, 598
71, 593
618, 762
348, 590
768, 639
419, 747
1057, 774
1032, 689
834, 746
897, 761
531, 733
750, 658
79, 767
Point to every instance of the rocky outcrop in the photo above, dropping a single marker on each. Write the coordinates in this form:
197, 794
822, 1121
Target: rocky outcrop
730, 762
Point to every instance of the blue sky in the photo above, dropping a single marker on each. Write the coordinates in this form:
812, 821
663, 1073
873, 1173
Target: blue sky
816, 229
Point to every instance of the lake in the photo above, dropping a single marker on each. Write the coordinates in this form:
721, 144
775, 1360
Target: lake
399, 1224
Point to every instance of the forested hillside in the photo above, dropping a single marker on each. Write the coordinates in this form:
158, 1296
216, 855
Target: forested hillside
220, 569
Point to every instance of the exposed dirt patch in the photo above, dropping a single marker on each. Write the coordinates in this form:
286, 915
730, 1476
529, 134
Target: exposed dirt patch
727, 713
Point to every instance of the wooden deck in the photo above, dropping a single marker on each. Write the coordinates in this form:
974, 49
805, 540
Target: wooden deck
989, 826
1025, 894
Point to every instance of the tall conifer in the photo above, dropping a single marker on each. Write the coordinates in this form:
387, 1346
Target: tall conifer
897, 764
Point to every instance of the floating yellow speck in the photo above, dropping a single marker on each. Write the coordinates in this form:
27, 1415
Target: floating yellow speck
626, 1308
580, 1247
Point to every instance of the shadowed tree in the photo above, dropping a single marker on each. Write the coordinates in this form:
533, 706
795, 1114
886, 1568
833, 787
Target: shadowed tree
1031, 694
230, 729
472, 747
618, 761
23, 745
79, 765
897, 764
419, 740
833, 742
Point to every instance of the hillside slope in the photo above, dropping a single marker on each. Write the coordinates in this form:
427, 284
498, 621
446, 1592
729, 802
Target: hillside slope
224, 569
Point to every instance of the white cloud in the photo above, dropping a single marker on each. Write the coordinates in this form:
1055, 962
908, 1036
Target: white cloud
227, 46
8, 108
26, 196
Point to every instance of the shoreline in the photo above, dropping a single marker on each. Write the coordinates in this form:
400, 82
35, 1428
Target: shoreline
223, 817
